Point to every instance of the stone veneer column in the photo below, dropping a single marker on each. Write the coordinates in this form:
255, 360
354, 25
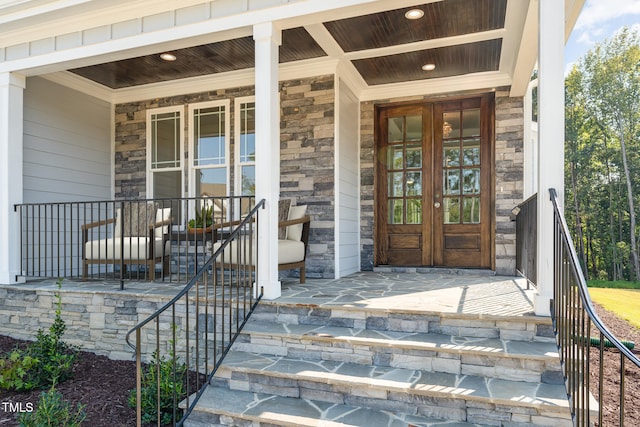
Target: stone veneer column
307, 163
509, 172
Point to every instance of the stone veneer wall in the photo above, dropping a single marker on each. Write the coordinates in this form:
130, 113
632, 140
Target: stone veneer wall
509, 175
96, 321
306, 153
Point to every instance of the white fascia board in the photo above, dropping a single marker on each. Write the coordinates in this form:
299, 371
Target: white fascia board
21, 9
527, 53
480, 81
42, 23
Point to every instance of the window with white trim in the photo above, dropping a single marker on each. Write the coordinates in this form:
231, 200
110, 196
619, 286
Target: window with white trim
245, 164
209, 145
164, 152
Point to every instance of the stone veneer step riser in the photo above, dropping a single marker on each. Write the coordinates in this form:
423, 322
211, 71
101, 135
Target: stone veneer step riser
428, 403
477, 368
528, 328
517, 367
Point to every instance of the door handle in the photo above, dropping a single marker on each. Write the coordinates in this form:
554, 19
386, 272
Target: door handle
436, 204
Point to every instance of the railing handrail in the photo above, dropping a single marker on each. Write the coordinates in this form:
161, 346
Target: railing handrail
193, 280
184, 292
582, 286
137, 200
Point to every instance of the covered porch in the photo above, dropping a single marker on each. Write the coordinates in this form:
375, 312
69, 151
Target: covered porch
314, 94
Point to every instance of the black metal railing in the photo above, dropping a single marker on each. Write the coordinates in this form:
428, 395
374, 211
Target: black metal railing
574, 318
123, 239
527, 238
193, 332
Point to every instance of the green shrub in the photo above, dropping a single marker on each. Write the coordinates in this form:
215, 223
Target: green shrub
44, 363
173, 375
53, 411
14, 367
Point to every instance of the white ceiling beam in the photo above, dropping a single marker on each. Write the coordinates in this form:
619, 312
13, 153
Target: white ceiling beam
426, 44
527, 52
489, 80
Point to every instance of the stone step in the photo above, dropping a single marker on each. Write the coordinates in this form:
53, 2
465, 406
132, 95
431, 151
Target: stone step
223, 407
493, 358
514, 328
441, 395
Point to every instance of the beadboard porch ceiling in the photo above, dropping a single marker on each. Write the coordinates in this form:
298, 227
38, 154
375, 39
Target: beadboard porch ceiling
459, 37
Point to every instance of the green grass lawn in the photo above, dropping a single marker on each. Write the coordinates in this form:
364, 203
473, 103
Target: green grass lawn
618, 284
624, 302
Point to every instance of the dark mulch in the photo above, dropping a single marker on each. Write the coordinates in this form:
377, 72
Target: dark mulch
99, 383
103, 385
611, 373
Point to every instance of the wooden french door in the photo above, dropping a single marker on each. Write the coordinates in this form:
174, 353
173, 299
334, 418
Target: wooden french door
434, 201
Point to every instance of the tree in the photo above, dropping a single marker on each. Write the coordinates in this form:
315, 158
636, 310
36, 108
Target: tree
611, 73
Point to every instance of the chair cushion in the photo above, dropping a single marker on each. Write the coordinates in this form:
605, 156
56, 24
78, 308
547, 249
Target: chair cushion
137, 217
294, 232
283, 215
135, 249
288, 251
162, 214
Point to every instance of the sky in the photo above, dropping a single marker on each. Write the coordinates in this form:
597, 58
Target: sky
600, 20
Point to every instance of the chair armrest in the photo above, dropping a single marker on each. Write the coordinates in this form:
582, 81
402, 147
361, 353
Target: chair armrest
294, 221
159, 224
97, 223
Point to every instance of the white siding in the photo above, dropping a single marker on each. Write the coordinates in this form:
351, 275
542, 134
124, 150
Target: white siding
67, 144
347, 171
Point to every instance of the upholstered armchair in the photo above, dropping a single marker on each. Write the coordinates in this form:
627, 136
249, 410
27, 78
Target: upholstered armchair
293, 242
140, 236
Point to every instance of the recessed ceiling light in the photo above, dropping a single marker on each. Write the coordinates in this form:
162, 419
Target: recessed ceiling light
414, 14
168, 56
429, 67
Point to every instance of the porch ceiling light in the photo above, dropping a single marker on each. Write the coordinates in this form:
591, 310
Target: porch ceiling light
168, 56
429, 67
414, 14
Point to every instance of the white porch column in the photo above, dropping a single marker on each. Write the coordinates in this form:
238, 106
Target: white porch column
550, 140
11, 192
267, 40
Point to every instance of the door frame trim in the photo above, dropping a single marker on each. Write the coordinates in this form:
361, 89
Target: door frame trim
488, 97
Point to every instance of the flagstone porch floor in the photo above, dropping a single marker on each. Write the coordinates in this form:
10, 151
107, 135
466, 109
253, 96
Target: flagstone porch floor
446, 291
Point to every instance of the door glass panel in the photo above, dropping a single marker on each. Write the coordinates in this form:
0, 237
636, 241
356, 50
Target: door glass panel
414, 128
452, 181
451, 157
451, 206
395, 132
414, 183
404, 169
395, 184
451, 125
414, 211
471, 211
394, 157
471, 156
471, 181
471, 123
395, 211
414, 156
